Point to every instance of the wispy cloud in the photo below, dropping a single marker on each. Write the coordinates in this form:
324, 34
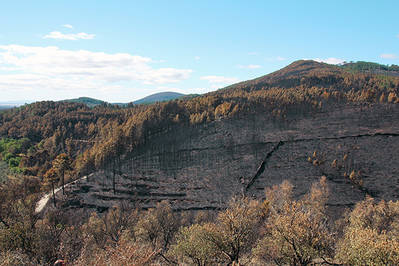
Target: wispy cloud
200, 90
331, 60
69, 26
69, 36
253, 53
249, 66
196, 58
51, 68
389, 56
276, 58
217, 82
219, 79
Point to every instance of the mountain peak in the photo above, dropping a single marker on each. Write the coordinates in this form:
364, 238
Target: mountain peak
290, 75
302, 68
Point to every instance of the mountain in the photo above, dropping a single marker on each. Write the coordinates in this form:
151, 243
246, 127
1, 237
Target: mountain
5, 107
159, 97
307, 73
301, 122
291, 76
90, 102
11, 104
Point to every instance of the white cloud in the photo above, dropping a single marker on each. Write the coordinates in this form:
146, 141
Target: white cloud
197, 58
69, 26
69, 36
219, 79
331, 60
201, 90
389, 56
249, 66
253, 53
49, 69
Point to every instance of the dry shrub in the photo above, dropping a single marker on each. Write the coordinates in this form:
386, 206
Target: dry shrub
297, 231
158, 226
234, 233
11, 258
124, 253
371, 236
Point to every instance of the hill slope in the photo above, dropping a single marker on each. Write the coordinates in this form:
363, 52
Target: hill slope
373, 68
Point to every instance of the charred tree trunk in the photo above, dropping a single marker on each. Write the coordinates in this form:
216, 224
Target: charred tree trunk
52, 186
113, 176
63, 182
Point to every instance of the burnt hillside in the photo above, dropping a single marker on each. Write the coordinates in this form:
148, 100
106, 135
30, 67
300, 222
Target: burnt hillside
354, 147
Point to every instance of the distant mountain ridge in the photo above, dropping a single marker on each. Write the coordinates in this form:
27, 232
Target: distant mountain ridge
4, 107
160, 97
91, 102
157, 97
11, 104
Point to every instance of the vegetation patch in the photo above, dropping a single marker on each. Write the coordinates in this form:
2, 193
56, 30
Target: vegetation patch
12, 151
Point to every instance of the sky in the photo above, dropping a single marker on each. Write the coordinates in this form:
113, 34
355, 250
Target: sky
120, 51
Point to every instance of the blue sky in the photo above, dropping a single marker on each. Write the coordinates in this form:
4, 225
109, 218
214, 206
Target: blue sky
120, 51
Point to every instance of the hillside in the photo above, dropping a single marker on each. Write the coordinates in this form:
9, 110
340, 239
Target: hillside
370, 67
303, 121
159, 97
4, 171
